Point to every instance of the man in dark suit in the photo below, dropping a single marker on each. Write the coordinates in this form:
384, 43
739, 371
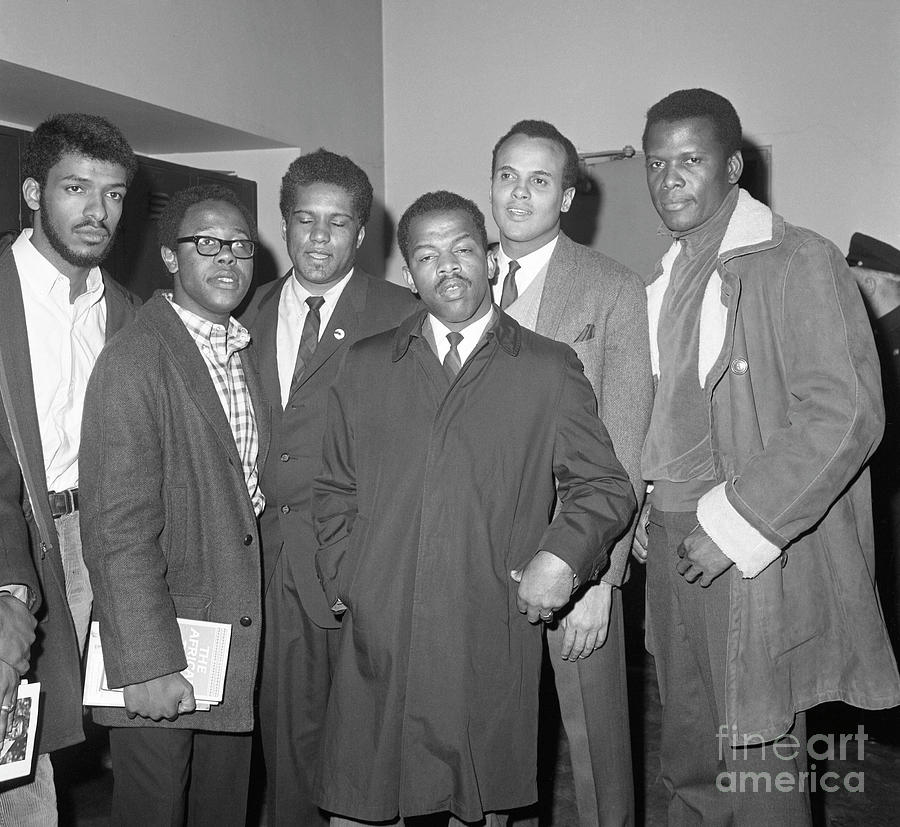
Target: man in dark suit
576, 295
58, 311
302, 326
176, 431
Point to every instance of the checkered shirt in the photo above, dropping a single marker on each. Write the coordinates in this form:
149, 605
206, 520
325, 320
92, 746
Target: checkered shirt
220, 348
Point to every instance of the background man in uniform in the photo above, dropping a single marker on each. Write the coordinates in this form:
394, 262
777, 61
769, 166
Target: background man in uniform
176, 429
573, 294
59, 309
302, 326
445, 438
876, 267
760, 600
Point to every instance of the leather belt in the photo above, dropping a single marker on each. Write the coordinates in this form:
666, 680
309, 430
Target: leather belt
63, 502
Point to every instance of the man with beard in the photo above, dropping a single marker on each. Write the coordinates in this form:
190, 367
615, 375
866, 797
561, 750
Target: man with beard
58, 311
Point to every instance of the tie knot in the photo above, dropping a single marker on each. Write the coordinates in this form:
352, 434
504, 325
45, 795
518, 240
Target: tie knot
513, 267
315, 302
454, 337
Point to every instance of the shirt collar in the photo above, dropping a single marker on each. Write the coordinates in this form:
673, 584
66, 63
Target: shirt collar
533, 262
331, 295
474, 330
42, 275
230, 340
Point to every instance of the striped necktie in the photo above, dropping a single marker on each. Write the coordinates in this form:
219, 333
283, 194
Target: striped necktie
452, 363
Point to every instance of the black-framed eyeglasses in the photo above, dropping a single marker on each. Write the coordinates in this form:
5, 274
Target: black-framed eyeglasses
208, 245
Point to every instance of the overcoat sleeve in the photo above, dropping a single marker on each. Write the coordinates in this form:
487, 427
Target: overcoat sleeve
334, 490
596, 497
834, 419
16, 564
121, 478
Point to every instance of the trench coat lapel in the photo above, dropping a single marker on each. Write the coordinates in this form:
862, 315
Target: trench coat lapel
558, 287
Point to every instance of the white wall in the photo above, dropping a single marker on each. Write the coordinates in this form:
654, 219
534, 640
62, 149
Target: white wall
819, 80
303, 72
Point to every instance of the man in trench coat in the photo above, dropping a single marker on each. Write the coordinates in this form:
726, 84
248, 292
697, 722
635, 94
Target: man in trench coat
445, 442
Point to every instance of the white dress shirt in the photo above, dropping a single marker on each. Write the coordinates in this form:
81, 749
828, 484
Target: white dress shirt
471, 336
64, 341
292, 312
530, 267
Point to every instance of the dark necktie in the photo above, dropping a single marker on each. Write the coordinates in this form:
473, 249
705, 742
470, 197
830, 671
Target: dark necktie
451, 360
309, 338
510, 291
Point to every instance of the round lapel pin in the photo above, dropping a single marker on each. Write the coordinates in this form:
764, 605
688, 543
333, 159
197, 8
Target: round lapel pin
339, 333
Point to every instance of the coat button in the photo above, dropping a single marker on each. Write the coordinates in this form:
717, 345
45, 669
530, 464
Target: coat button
248, 539
285, 509
246, 621
740, 366
285, 457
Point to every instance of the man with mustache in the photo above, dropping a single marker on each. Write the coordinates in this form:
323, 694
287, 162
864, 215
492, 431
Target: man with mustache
447, 441
59, 309
573, 294
176, 430
303, 325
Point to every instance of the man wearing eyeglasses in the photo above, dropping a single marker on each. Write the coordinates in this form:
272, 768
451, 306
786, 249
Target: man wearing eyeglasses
176, 432
303, 325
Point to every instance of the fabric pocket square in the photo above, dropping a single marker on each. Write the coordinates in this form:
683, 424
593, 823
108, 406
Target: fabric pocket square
587, 333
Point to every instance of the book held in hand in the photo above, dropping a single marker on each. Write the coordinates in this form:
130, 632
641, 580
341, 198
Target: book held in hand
17, 748
206, 647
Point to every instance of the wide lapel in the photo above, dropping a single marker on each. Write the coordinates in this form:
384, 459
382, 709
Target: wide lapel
17, 362
188, 361
261, 407
342, 325
558, 286
264, 330
119, 311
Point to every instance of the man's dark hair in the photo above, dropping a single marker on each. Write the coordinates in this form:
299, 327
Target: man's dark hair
698, 103
324, 167
75, 133
169, 226
542, 129
440, 201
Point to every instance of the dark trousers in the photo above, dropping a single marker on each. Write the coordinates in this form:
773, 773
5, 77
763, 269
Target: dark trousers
709, 783
593, 703
295, 679
179, 776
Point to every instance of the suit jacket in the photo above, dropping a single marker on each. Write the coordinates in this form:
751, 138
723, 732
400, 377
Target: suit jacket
167, 525
599, 307
31, 554
367, 306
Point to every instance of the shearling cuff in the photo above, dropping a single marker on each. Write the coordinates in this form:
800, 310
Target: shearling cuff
739, 540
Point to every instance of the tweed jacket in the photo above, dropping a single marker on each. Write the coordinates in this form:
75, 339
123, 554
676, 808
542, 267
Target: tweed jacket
31, 547
168, 528
367, 306
599, 307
